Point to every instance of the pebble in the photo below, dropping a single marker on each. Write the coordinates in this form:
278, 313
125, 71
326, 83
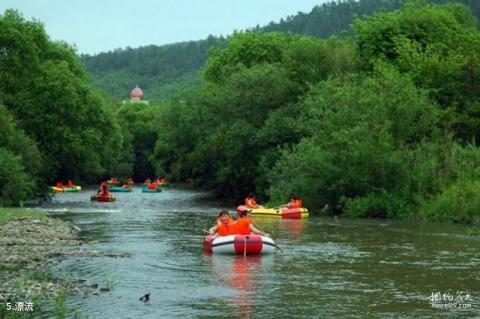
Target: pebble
33, 245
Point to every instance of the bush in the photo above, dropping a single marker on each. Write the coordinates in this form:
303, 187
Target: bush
459, 202
15, 184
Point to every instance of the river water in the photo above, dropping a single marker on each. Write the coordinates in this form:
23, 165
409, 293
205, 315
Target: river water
329, 268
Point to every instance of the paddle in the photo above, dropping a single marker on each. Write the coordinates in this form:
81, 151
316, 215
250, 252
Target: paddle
259, 228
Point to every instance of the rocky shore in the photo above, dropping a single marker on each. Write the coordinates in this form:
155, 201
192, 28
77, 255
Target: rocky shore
28, 247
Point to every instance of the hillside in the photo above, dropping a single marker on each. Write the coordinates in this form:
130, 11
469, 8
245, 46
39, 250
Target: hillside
165, 71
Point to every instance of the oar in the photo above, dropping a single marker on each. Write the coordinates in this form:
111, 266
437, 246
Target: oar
281, 250
259, 228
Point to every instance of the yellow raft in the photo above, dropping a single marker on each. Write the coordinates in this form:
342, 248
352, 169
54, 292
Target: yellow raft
290, 213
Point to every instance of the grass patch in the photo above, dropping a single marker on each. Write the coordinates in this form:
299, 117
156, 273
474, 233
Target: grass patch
8, 214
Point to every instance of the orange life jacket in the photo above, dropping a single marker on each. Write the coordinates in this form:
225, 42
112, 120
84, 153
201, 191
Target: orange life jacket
297, 203
152, 186
225, 229
59, 185
69, 184
251, 203
242, 226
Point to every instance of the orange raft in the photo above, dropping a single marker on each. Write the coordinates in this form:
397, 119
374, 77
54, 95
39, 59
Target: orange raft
290, 213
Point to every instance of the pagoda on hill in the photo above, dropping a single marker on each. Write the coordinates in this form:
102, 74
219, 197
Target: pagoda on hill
136, 96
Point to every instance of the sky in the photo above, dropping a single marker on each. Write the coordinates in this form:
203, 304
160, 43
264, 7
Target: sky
95, 26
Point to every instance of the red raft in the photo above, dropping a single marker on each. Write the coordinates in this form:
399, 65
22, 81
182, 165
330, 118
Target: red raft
238, 244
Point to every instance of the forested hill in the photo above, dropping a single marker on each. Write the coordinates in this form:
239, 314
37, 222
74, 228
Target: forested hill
159, 70
166, 71
335, 17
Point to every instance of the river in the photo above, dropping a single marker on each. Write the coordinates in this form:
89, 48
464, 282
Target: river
329, 268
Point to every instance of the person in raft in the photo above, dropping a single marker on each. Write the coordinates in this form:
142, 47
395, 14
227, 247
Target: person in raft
224, 225
153, 185
251, 201
244, 225
295, 202
69, 184
103, 191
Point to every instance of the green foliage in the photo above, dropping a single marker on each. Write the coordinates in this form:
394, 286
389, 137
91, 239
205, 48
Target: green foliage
139, 126
459, 202
245, 49
16, 185
360, 129
20, 162
162, 71
165, 71
437, 46
44, 86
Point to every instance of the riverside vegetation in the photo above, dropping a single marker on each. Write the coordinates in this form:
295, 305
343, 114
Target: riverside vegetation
382, 122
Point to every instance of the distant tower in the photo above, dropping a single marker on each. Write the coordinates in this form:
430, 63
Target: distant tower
136, 96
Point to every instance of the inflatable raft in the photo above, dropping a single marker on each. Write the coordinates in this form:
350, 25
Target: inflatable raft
238, 244
56, 189
73, 189
147, 190
291, 213
98, 198
119, 189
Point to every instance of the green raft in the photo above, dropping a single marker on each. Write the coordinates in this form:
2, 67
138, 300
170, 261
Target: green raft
73, 189
119, 189
146, 190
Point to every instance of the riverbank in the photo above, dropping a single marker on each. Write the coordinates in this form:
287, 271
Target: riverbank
31, 242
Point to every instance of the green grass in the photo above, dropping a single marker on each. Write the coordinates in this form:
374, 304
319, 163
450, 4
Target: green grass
7, 214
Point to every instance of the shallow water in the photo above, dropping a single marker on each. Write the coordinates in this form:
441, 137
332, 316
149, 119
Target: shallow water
329, 268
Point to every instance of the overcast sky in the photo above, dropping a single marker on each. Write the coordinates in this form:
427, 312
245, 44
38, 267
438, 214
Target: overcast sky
95, 26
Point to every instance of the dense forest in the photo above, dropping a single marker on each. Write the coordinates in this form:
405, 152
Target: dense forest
168, 71
382, 122
163, 71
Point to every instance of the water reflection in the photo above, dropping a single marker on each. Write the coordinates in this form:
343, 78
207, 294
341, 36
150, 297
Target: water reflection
243, 275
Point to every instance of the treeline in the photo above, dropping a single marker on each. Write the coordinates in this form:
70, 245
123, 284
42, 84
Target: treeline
52, 124
380, 124
155, 68
168, 71
335, 17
